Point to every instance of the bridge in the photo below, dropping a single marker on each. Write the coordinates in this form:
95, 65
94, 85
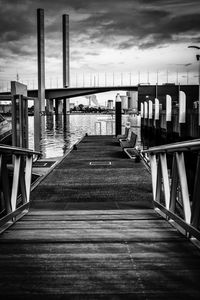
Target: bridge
60, 93
93, 228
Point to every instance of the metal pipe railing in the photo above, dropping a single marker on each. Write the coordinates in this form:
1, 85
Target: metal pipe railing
15, 179
180, 146
176, 183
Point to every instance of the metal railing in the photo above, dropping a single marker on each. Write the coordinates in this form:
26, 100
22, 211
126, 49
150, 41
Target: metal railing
175, 170
15, 182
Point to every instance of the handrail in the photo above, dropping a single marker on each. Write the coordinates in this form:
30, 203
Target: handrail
176, 184
15, 179
18, 150
180, 146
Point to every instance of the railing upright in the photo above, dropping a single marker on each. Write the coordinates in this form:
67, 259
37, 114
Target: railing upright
15, 182
172, 193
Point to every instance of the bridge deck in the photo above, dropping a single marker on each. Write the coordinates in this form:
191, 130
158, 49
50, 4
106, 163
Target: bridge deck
91, 233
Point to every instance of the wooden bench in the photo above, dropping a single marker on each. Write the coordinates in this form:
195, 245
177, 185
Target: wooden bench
129, 143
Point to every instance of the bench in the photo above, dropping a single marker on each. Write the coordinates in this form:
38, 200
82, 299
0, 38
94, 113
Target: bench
125, 135
129, 143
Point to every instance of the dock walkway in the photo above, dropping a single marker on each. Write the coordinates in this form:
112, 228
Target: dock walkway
91, 233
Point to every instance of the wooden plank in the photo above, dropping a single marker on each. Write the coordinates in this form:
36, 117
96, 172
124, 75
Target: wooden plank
99, 253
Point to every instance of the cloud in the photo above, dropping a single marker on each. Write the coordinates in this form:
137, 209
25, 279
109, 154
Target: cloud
113, 23
96, 25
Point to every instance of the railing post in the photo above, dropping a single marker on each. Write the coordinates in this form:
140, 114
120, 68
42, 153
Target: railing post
5, 183
195, 201
154, 171
28, 173
165, 176
15, 184
174, 185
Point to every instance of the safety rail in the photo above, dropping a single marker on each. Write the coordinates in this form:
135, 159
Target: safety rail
175, 170
15, 182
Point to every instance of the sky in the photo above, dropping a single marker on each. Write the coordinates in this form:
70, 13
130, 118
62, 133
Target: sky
111, 41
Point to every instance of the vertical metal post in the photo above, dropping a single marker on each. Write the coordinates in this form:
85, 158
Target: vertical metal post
118, 115
65, 27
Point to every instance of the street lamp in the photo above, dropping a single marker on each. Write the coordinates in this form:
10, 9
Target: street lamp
198, 59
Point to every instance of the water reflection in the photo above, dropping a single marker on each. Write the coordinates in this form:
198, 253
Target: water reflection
60, 132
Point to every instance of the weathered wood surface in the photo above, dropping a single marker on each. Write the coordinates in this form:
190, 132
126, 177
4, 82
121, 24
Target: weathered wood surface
92, 234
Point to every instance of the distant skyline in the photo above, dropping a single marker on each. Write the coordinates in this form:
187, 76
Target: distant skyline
126, 39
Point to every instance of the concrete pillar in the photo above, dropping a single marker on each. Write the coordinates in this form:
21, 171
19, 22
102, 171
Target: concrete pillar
49, 106
67, 106
41, 60
65, 27
59, 106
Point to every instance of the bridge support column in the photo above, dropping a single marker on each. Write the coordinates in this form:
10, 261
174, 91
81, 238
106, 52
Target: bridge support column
68, 106
49, 106
59, 107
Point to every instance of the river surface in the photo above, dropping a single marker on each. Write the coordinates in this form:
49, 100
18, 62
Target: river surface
60, 133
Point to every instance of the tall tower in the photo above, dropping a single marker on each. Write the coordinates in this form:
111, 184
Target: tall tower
65, 32
41, 59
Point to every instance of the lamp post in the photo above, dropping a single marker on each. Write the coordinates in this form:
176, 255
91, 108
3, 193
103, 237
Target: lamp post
198, 59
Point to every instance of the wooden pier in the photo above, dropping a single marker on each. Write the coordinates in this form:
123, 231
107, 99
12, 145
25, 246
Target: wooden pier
92, 233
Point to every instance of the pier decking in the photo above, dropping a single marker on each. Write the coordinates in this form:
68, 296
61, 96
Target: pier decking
92, 233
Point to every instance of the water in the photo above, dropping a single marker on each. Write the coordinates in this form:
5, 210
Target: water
60, 133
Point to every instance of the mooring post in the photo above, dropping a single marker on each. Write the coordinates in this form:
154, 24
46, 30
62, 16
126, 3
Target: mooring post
19, 121
118, 115
39, 104
169, 126
182, 115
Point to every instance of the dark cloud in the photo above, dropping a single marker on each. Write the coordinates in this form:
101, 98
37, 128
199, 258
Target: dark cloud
112, 23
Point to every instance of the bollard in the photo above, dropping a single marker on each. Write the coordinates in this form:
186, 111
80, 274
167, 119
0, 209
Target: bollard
118, 115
